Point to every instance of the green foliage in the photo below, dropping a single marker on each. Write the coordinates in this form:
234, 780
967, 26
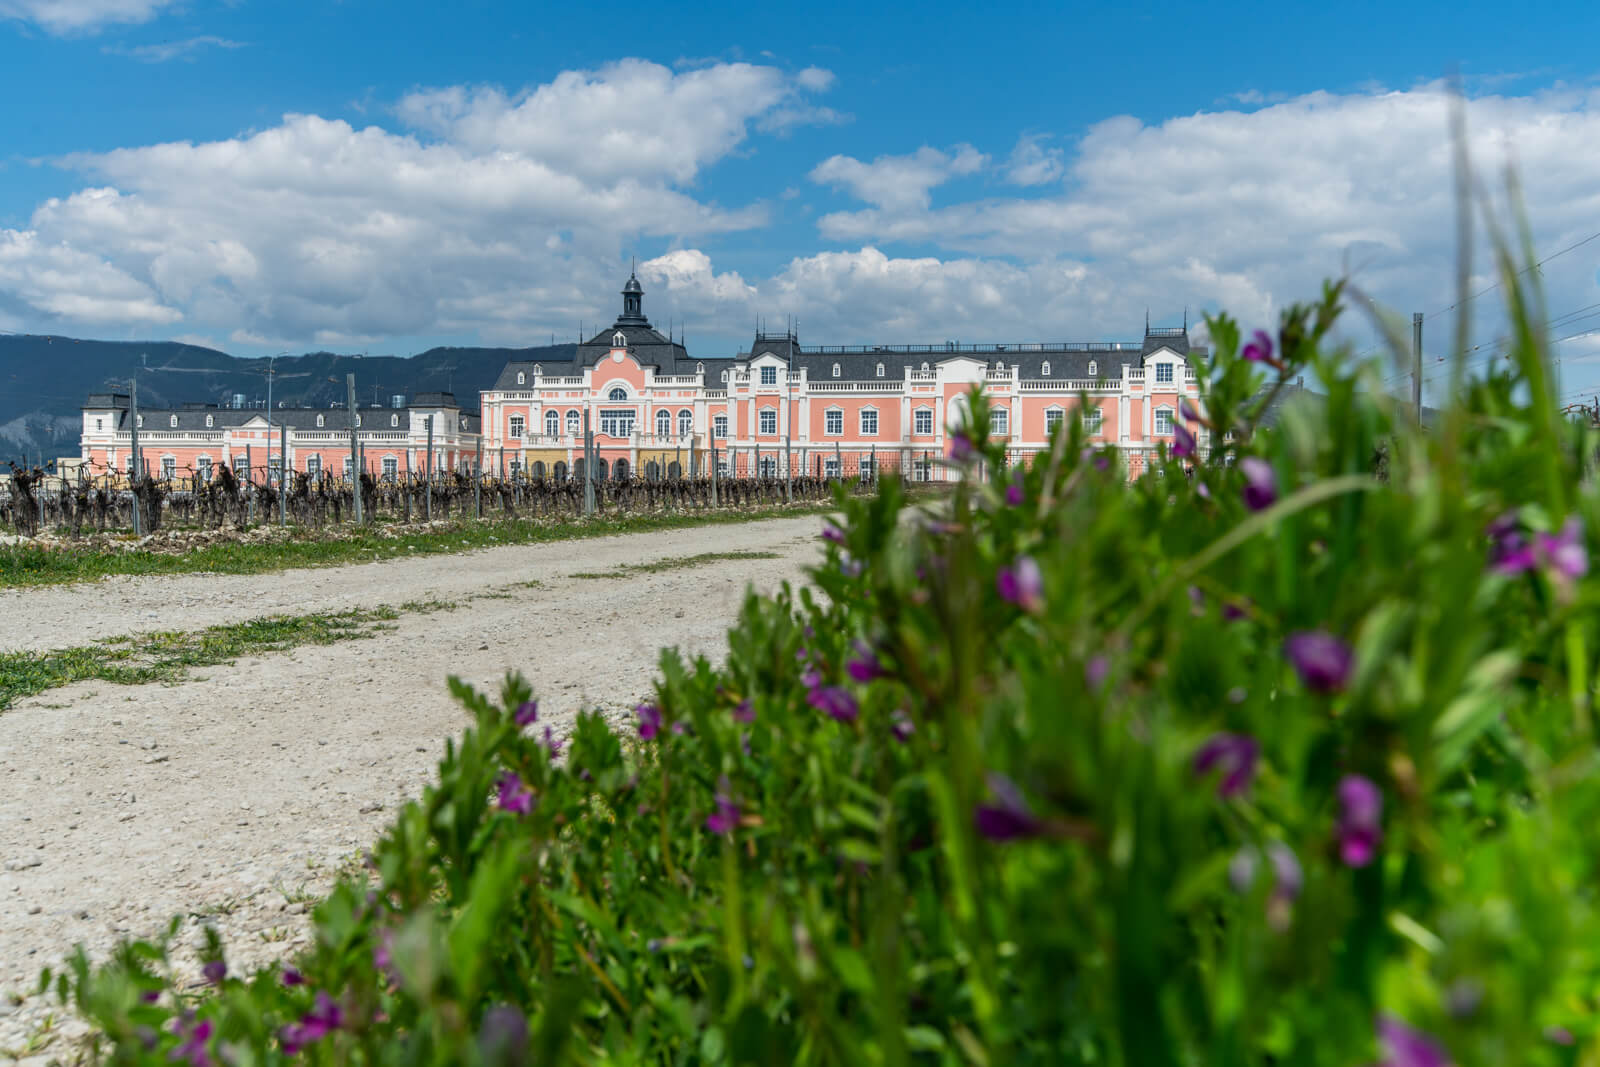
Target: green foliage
932, 812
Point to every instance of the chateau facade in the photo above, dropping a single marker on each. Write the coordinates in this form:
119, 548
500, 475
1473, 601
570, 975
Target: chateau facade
656, 411
825, 410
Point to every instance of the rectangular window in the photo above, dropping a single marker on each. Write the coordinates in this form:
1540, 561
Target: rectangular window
275, 470
1093, 421
313, 467
769, 421
833, 422
999, 420
722, 468
769, 375
1052, 419
348, 467
830, 468
923, 421
204, 464
616, 422
719, 427
391, 468
869, 423
1163, 422
1164, 373
924, 470
169, 468
516, 426
241, 468
867, 470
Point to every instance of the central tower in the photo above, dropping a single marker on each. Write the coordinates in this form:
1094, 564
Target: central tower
632, 304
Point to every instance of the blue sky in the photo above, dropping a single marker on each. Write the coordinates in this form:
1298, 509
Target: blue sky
392, 175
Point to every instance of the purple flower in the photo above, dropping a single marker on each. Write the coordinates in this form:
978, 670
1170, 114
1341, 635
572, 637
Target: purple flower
150, 996
810, 677
1232, 754
726, 817
527, 712
383, 952
192, 1048
1014, 493
1260, 483
1287, 877
1235, 610
1197, 600
1022, 584
1008, 818
831, 532
1187, 411
649, 720
215, 971
961, 448
680, 728
514, 796
1322, 660
901, 726
1183, 441
1203, 490
552, 743
1096, 670
323, 1019
291, 976
834, 701
1562, 556
864, 667
1259, 350
745, 712
1558, 1035
1360, 820
849, 566
1404, 1047
503, 1037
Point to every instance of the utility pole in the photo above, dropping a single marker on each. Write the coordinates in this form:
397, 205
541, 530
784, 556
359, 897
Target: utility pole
1416, 364
250, 481
427, 506
477, 475
270, 361
355, 458
588, 465
711, 436
133, 482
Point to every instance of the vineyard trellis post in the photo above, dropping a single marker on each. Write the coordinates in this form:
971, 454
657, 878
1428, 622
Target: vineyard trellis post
133, 480
716, 502
283, 473
477, 475
588, 466
250, 484
355, 453
410, 482
838, 462
427, 476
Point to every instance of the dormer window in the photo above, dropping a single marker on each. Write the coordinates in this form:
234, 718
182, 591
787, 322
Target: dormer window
394, 420
1044, 370
836, 370
924, 366
358, 419
210, 421
699, 368
619, 340
319, 421
173, 422
140, 420
538, 369
1000, 365
724, 377
1094, 369
522, 379
880, 370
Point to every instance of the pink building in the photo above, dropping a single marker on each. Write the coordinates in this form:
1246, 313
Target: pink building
781, 406
179, 443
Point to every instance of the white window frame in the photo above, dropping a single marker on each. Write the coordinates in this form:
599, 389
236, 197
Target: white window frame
241, 467
173, 422
767, 422
1094, 421
516, 422
830, 467
1094, 368
1162, 414
538, 370
663, 423
203, 467
833, 422
140, 421
922, 422
724, 377
394, 420
699, 368
880, 370
552, 423
769, 375
619, 340
522, 378
1044, 369
349, 468
617, 422
391, 468
211, 420
1053, 417
617, 395
685, 422
574, 423
169, 467
1000, 422
869, 428
865, 469
719, 427
320, 421
1165, 374
358, 420
836, 370
313, 467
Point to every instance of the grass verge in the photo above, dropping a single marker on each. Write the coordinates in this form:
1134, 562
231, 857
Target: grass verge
674, 563
168, 656
26, 565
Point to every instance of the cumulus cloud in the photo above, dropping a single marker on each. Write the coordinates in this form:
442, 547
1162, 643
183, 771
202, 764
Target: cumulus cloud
161, 53
898, 183
78, 16
1031, 163
501, 215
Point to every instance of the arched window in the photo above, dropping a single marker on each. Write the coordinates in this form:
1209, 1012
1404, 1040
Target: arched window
537, 470
1044, 370
210, 421
552, 423
1094, 369
663, 423
538, 369
522, 379
1000, 364
724, 377
880, 370
319, 420
617, 394
699, 368
394, 420
358, 419
140, 420
685, 422
174, 422
924, 366
619, 340
836, 370
619, 473
573, 422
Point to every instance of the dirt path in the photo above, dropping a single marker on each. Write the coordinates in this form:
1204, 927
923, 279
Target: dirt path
228, 796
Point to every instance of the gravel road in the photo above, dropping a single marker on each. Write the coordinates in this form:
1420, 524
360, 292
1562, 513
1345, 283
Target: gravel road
227, 797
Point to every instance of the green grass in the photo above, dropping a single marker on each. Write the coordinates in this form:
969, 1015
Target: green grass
674, 563
26, 565
136, 659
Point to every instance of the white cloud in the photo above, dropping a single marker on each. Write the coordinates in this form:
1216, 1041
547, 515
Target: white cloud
78, 16
509, 221
161, 53
1033, 164
898, 183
